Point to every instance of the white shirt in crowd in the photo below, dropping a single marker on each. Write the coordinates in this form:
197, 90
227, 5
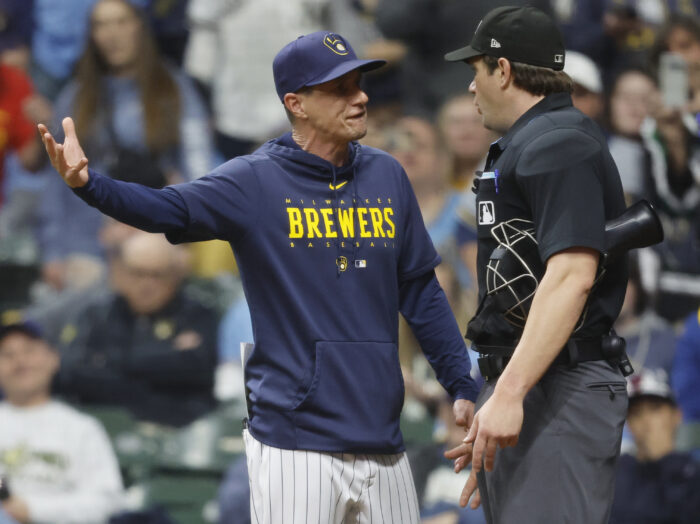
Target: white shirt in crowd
60, 462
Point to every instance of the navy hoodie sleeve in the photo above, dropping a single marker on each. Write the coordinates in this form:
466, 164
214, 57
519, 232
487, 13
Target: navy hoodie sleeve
223, 204
424, 306
152, 210
417, 253
220, 205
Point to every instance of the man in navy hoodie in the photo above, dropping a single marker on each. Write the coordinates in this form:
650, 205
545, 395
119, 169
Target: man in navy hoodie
331, 245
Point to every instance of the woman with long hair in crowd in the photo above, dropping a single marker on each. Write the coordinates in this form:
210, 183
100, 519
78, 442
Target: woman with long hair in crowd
140, 119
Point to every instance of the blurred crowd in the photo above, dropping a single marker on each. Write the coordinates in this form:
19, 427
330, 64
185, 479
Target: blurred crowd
121, 382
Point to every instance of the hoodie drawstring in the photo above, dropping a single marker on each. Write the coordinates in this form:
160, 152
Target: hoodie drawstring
334, 195
355, 199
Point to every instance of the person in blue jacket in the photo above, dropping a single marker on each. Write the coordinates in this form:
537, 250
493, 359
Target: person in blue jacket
686, 369
331, 245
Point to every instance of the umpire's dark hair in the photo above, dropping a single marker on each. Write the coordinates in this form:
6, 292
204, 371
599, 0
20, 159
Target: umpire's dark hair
540, 81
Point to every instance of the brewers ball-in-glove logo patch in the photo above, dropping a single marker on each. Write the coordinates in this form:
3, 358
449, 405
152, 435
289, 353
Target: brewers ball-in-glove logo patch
335, 43
342, 263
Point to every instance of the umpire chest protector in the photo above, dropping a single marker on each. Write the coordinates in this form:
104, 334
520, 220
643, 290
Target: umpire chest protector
548, 184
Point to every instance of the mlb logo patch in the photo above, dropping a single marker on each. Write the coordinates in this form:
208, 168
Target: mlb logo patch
495, 43
487, 213
360, 264
558, 59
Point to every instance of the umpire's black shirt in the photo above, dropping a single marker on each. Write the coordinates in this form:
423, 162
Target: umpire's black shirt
553, 168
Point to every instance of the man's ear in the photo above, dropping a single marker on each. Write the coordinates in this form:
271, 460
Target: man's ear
294, 103
505, 72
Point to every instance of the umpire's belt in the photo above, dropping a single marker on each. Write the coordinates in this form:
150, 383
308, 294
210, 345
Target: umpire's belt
494, 359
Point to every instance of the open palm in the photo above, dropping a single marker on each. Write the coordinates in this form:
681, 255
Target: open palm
67, 158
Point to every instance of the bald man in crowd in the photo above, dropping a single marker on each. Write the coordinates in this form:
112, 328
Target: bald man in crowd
146, 346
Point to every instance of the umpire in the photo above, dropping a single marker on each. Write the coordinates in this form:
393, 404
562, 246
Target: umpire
554, 401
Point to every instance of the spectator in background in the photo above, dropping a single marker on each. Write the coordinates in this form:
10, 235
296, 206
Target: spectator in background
686, 369
672, 184
429, 29
58, 315
356, 19
16, 21
20, 110
59, 463
58, 39
588, 85
467, 143
146, 347
17, 132
231, 47
170, 27
632, 98
614, 33
416, 144
465, 138
651, 340
681, 35
657, 484
140, 120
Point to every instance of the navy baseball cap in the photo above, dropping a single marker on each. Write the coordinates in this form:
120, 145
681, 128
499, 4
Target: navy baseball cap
313, 59
27, 327
520, 34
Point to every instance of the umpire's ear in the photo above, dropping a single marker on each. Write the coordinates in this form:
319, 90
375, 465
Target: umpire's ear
294, 104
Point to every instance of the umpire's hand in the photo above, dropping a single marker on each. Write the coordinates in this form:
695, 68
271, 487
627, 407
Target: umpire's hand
68, 158
497, 424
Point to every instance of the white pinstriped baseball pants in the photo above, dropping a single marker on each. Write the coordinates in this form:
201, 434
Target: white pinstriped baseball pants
310, 487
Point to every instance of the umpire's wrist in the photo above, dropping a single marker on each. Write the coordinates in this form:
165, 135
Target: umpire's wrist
511, 387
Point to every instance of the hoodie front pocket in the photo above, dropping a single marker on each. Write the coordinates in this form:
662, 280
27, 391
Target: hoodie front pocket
356, 394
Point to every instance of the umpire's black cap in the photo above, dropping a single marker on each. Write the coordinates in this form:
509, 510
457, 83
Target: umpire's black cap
520, 34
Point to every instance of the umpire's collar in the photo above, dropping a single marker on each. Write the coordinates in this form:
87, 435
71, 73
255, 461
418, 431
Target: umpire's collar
549, 103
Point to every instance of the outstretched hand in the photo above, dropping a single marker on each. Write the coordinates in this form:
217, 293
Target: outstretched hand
68, 158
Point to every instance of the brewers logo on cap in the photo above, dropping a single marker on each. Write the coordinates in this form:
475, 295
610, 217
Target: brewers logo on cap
335, 43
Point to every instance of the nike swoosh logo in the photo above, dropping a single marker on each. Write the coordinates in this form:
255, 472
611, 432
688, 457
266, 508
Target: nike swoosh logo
338, 186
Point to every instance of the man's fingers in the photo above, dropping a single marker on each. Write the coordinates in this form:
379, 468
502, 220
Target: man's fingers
469, 488
478, 453
458, 451
62, 166
473, 430
50, 145
68, 127
476, 499
462, 462
80, 165
490, 455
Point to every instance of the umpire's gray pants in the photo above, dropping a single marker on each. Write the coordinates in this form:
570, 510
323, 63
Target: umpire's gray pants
562, 470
